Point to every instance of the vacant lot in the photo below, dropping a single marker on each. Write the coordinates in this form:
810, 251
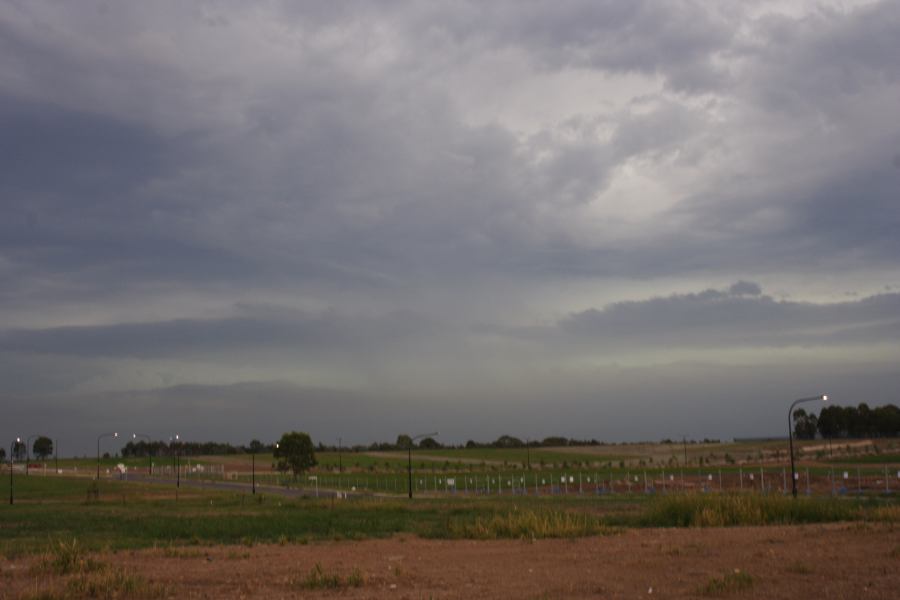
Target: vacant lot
133, 540
825, 561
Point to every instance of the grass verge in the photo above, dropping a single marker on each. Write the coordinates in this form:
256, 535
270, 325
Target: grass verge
750, 509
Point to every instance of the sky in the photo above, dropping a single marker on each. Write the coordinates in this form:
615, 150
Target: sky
597, 219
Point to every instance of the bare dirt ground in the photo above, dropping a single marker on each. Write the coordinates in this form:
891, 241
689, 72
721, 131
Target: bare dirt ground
817, 561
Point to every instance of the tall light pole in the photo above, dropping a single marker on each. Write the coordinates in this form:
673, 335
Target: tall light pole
253, 467
135, 436
12, 448
823, 398
340, 463
114, 434
528, 452
409, 456
176, 464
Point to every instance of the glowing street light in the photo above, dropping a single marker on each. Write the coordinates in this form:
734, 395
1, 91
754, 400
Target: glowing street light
823, 398
114, 434
409, 456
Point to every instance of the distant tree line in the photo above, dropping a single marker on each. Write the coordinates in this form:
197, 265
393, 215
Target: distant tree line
161, 448
848, 422
504, 441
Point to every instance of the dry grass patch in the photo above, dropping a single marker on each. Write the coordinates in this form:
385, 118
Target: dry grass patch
730, 583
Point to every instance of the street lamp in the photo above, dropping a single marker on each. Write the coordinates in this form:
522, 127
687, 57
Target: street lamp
528, 452
135, 436
12, 448
409, 456
176, 462
340, 464
823, 398
114, 434
253, 467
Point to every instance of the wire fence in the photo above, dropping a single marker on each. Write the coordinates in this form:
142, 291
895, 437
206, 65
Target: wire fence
812, 481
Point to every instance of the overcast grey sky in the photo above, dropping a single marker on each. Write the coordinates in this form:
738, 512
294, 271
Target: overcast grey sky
612, 220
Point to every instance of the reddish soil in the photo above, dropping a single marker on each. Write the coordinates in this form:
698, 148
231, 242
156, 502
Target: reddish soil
816, 561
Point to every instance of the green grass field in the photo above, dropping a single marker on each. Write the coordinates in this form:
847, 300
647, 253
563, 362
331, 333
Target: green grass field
134, 515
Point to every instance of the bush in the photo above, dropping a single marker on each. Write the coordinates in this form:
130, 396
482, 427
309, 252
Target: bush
736, 509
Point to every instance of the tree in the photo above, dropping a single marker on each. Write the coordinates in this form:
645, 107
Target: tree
256, 446
18, 451
805, 425
430, 444
508, 441
43, 447
2, 454
295, 452
403, 441
830, 421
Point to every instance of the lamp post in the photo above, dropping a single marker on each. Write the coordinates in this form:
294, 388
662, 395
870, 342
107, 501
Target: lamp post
176, 463
114, 434
135, 436
409, 456
12, 448
528, 452
823, 398
340, 463
253, 468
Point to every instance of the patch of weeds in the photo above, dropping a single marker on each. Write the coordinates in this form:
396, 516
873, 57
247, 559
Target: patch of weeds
173, 552
736, 581
798, 568
63, 558
356, 578
683, 510
247, 541
238, 556
528, 524
318, 579
114, 583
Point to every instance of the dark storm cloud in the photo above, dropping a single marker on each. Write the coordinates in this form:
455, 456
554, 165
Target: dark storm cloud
270, 330
738, 317
422, 176
676, 40
351, 175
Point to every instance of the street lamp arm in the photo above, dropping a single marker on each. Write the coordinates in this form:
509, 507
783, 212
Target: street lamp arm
422, 436
100, 437
412, 440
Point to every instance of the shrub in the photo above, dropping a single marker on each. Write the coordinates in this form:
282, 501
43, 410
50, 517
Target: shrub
734, 509
528, 524
735, 581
